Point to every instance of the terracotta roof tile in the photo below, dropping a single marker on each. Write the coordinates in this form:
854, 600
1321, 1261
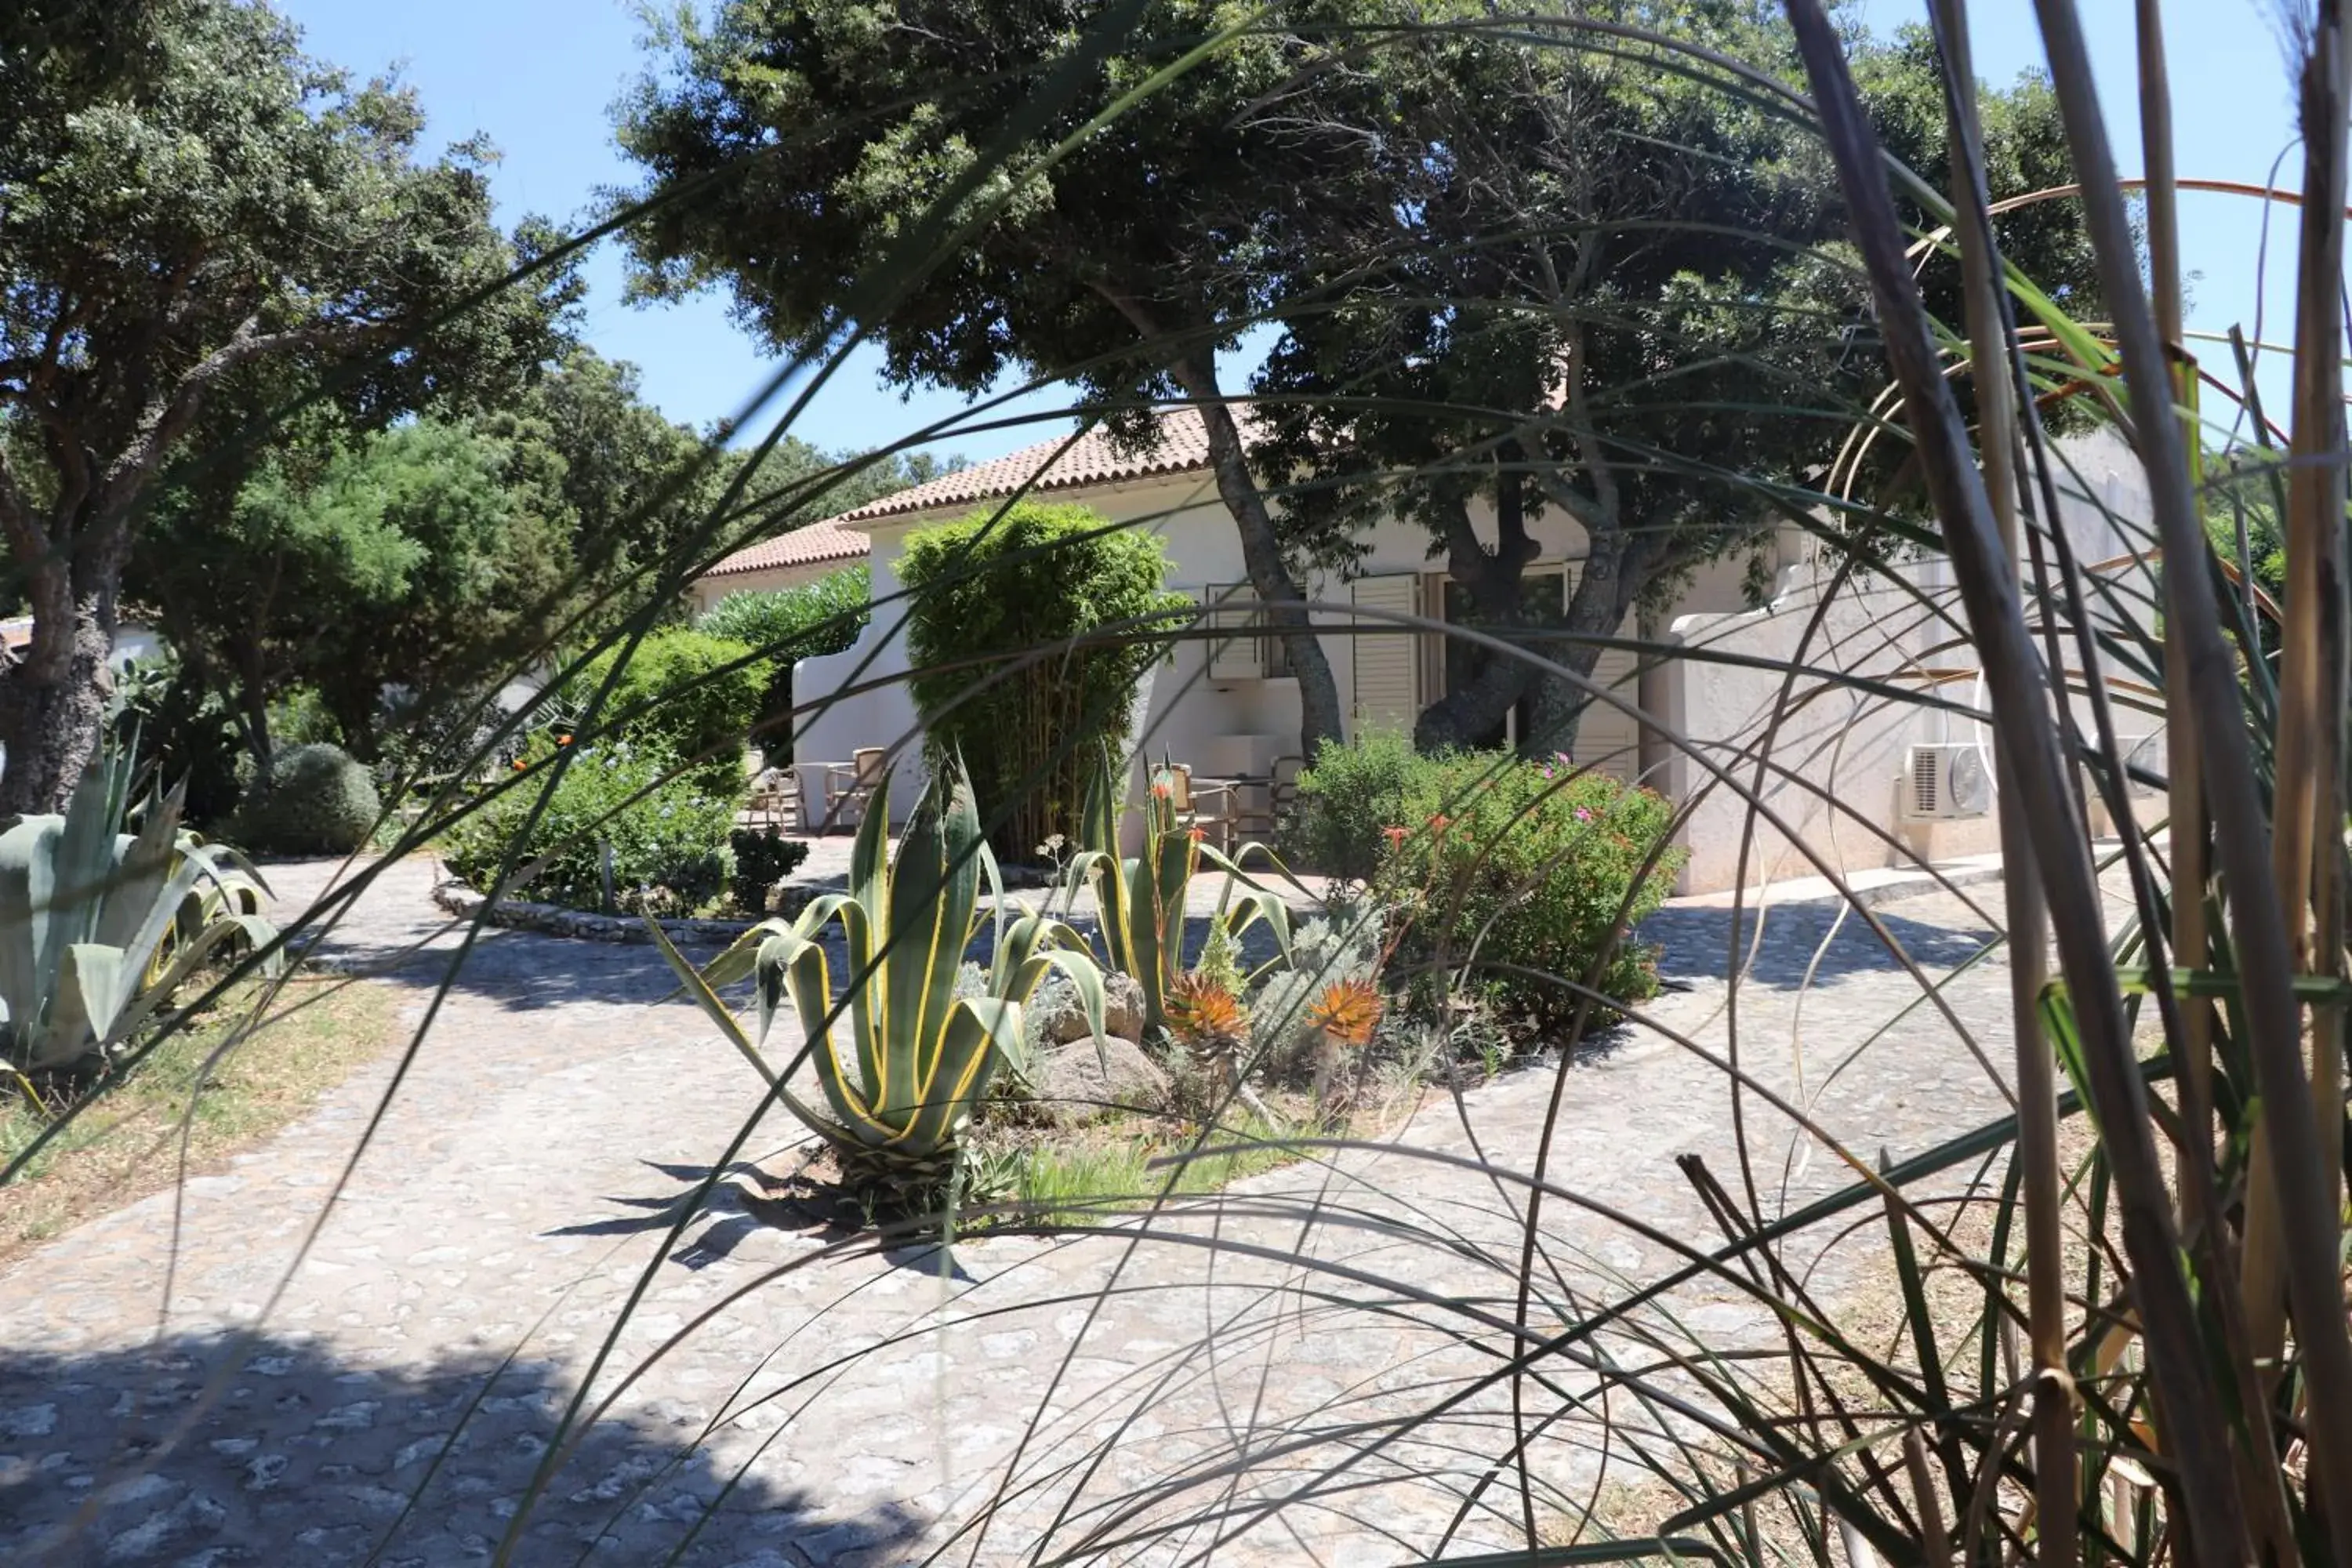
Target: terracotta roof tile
816, 546
1093, 459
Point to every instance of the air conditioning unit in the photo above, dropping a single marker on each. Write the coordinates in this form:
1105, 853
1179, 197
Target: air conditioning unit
1946, 781
2143, 755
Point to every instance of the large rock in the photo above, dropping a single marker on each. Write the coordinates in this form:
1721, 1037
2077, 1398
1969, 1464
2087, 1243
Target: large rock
1066, 1024
1123, 1006
1079, 1081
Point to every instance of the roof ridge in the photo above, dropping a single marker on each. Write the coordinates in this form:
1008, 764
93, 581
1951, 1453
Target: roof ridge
1094, 457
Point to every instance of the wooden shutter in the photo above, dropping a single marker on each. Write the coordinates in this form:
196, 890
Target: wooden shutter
1230, 608
1608, 737
1388, 655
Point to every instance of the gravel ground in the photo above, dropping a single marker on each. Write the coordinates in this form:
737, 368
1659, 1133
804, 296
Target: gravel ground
217, 1376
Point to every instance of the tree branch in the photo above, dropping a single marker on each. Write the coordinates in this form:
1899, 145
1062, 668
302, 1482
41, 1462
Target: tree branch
168, 416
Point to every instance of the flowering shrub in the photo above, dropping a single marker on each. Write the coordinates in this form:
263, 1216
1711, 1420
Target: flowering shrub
1515, 869
1350, 793
670, 853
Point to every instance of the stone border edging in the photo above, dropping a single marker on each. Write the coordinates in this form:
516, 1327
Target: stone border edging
554, 919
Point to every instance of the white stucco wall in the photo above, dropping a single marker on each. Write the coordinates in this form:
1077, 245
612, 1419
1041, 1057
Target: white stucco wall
1220, 728
1838, 756
1830, 794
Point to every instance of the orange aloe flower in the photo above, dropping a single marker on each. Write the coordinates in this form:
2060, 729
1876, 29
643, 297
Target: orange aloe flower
1200, 1008
1347, 1011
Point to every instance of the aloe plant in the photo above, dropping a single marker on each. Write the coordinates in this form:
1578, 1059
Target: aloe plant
1142, 898
901, 1061
98, 927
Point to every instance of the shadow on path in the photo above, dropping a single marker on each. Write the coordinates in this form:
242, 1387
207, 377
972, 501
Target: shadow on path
1695, 942
308, 1459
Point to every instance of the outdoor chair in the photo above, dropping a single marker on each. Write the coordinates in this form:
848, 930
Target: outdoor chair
1206, 803
776, 799
1262, 805
854, 784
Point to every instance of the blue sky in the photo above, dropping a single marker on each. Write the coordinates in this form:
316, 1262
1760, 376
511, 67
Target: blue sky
539, 77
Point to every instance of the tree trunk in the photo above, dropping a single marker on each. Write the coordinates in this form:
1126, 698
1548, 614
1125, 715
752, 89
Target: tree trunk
1458, 718
52, 706
1604, 591
1320, 717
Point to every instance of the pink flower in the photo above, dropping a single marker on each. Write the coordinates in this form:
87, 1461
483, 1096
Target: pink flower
1583, 813
1395, 835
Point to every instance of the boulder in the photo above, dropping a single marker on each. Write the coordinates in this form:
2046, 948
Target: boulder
1123, 1006
1065, 1022
1079, 1081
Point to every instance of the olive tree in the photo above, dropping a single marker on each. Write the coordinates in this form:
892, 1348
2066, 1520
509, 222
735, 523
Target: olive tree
189, 199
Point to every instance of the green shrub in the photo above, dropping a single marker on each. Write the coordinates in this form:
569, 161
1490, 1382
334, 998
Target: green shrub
669, 834
1344, 800
672, 700
763, 858
807, 622
1515, 868
317, 801
791, 624
987, 589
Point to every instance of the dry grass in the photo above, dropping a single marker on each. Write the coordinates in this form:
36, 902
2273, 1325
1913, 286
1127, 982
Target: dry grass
128, 1144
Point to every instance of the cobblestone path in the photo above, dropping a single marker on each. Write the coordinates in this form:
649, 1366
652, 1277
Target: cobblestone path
827, 1404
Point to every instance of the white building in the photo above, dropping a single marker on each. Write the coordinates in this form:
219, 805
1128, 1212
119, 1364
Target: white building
1845, 776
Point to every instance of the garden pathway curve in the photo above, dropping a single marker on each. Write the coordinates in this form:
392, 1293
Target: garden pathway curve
839, 1407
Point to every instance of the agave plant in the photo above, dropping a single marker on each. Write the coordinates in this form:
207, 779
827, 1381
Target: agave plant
99, 927
1142, 898
901, 1061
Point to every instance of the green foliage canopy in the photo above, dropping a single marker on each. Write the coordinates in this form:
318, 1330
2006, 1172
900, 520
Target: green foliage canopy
806, 622
416, 557
992, 588
685, 696
191, 200
1604, 289
850, 132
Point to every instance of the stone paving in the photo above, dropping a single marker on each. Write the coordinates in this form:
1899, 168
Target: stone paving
202, 1379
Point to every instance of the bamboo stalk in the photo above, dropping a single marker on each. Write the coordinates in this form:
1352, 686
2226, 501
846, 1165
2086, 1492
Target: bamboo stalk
2315, 503
2021, 698
2055, 1464
2297, 1170
2191, 851
2185, 776
2307, 812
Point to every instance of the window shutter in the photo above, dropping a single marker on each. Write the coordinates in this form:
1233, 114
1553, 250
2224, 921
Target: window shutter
1229, 607
1607, 739
1388, 655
